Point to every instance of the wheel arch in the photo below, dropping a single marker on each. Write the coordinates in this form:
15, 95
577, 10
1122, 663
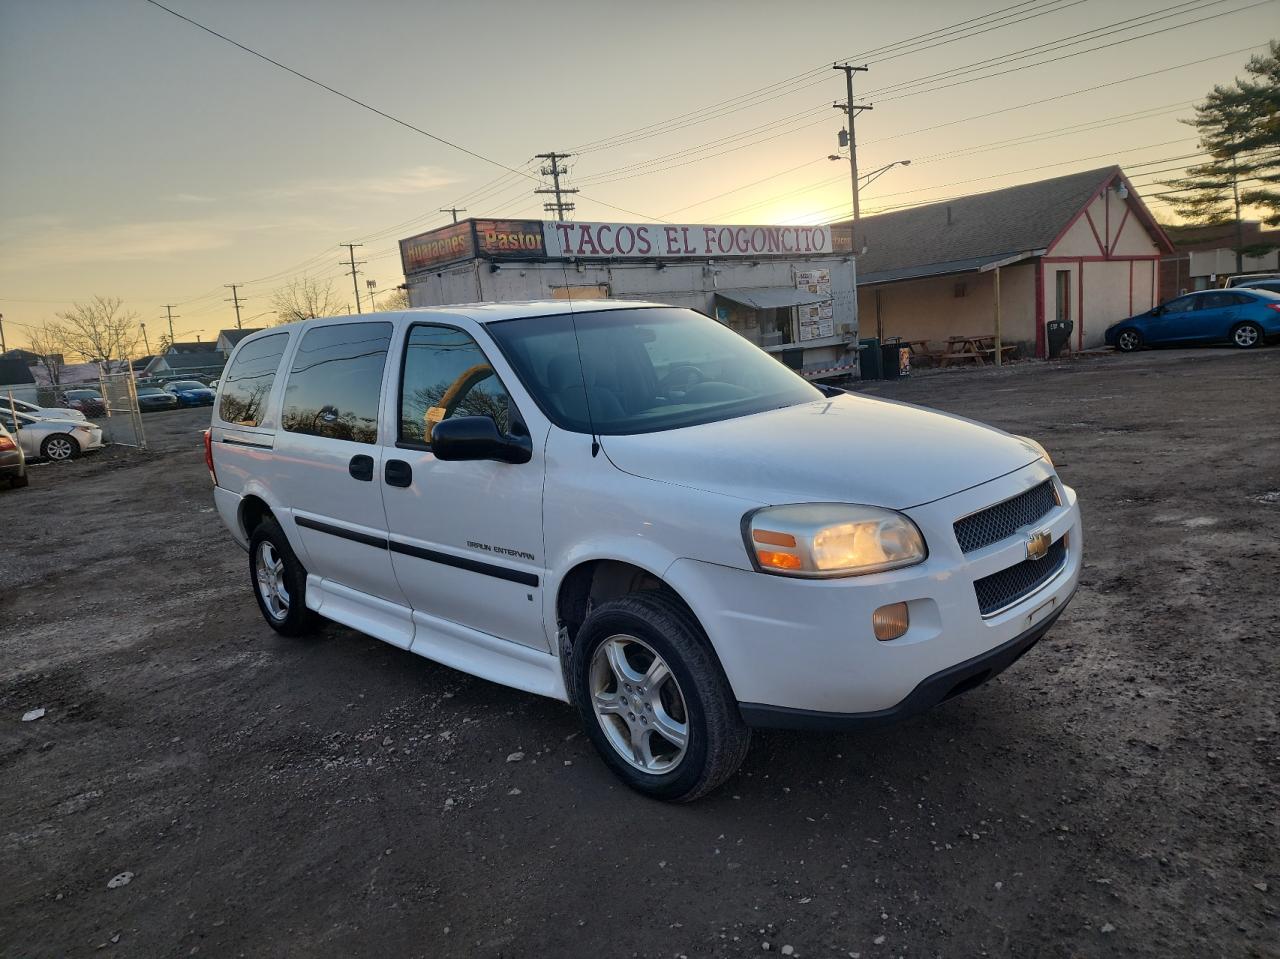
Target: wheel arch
592, 581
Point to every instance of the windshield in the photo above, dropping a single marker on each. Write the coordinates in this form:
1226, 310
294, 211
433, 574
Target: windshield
150, 391
83, 395
187, 385
645, 369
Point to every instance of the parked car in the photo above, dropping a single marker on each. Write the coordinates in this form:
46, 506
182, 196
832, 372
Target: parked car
153, 398
1241, 317
13, 462
1271, 286
630, 508
191, 392
87, 401
1248, 279
56, 440
40, 412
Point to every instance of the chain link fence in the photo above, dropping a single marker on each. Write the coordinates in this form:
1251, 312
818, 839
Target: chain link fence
123, 423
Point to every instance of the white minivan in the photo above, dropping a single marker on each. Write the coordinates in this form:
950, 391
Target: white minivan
629, 507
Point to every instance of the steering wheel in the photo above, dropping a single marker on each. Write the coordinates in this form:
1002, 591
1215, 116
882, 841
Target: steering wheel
683, 377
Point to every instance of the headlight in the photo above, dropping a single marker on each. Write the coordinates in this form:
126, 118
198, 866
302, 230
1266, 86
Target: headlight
820, 540
1040, 449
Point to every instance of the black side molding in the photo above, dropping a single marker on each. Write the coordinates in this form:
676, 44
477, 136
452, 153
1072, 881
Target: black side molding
430, 555
376, 542
939, 687
460, 562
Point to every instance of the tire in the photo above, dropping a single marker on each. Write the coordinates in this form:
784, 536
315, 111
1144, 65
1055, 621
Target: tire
59, 447
1246, 336
1128, 341
280, 587
653, 629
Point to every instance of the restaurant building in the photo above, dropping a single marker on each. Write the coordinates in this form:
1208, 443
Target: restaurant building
788, 289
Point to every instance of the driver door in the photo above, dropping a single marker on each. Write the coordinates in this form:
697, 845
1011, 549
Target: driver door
466, 537
1176, 322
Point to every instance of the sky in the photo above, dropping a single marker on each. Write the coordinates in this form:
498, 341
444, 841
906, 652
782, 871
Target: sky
143, 158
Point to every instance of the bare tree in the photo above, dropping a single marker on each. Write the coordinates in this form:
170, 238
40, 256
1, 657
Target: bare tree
394, 299
101, 331
305, 299
49, 343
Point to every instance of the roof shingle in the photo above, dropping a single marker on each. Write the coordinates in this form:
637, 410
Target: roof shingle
959, 235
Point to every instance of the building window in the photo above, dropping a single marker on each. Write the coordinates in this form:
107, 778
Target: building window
1062, 287
336, 381
961, 289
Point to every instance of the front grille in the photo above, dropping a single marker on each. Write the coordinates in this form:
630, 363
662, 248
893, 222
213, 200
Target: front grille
1004, 519
1006, 587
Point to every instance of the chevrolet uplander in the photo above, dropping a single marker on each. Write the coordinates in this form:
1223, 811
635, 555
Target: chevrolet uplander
630, 508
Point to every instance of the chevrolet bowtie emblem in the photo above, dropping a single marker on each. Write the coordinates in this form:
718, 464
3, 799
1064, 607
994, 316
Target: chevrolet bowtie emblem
1038, 545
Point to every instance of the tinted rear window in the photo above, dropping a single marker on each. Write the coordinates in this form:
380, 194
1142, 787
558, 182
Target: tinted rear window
248, 380
336, 381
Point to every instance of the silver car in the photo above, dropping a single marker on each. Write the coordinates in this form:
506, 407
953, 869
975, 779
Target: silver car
13, 464
39, 412
57, 440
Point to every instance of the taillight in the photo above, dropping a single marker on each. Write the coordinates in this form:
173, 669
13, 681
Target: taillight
7, 444
1274, 306
208, 456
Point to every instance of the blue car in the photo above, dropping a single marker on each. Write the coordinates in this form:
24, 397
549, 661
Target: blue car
1242, 317
195, 393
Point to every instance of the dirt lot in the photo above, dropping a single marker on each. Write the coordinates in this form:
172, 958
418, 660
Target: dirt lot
1113, 793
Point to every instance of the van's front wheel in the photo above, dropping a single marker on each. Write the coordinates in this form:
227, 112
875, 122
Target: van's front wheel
654, 700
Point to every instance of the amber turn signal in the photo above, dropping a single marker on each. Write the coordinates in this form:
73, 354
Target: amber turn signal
776, 560
890, 622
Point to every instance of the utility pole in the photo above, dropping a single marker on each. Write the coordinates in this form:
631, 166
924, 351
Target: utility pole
351, 260
554, 170
168, 308
455, 210
3, 349
851, 111
235, 298
145, 342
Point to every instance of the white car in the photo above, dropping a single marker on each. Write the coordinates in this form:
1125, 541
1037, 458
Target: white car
630, 508
56, 440
39, 412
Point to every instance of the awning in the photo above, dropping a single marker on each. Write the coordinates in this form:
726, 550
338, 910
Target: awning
771, 297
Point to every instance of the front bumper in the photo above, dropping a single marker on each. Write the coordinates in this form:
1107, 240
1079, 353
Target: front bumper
938, 688
807, 645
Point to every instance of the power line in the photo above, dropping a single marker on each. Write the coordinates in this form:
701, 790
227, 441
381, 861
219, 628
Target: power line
555, 170
351, 255
370, 107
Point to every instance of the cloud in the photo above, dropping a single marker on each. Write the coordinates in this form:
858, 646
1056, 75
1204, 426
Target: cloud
416, 180
188, 198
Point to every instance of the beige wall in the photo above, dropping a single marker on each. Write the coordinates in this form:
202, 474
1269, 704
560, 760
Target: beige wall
930, 309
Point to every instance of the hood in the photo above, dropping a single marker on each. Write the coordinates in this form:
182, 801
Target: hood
850, 449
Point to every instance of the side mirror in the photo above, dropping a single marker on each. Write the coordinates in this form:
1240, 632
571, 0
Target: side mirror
477, 438
1157, 310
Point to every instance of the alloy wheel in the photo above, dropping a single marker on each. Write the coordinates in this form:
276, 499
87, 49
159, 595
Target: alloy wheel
1245, 335
59, 448
268, 567
1128, 341
639, 704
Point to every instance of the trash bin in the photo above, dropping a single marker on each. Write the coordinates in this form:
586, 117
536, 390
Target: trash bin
1059, 335
869, 365
895, 359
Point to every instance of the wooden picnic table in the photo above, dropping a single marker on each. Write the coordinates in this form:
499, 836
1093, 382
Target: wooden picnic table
979, 349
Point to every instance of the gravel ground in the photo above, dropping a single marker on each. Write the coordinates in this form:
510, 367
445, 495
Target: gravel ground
1113, 793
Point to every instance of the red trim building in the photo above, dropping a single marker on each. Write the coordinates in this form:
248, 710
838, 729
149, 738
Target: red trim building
1082, 247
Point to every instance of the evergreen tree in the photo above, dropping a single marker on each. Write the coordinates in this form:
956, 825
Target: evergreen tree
1239, 128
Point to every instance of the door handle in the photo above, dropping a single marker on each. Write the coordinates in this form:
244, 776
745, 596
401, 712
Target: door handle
361, 468
397, 473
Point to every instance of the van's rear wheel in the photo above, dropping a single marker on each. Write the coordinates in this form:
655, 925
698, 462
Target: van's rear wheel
654, 699
279, 581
